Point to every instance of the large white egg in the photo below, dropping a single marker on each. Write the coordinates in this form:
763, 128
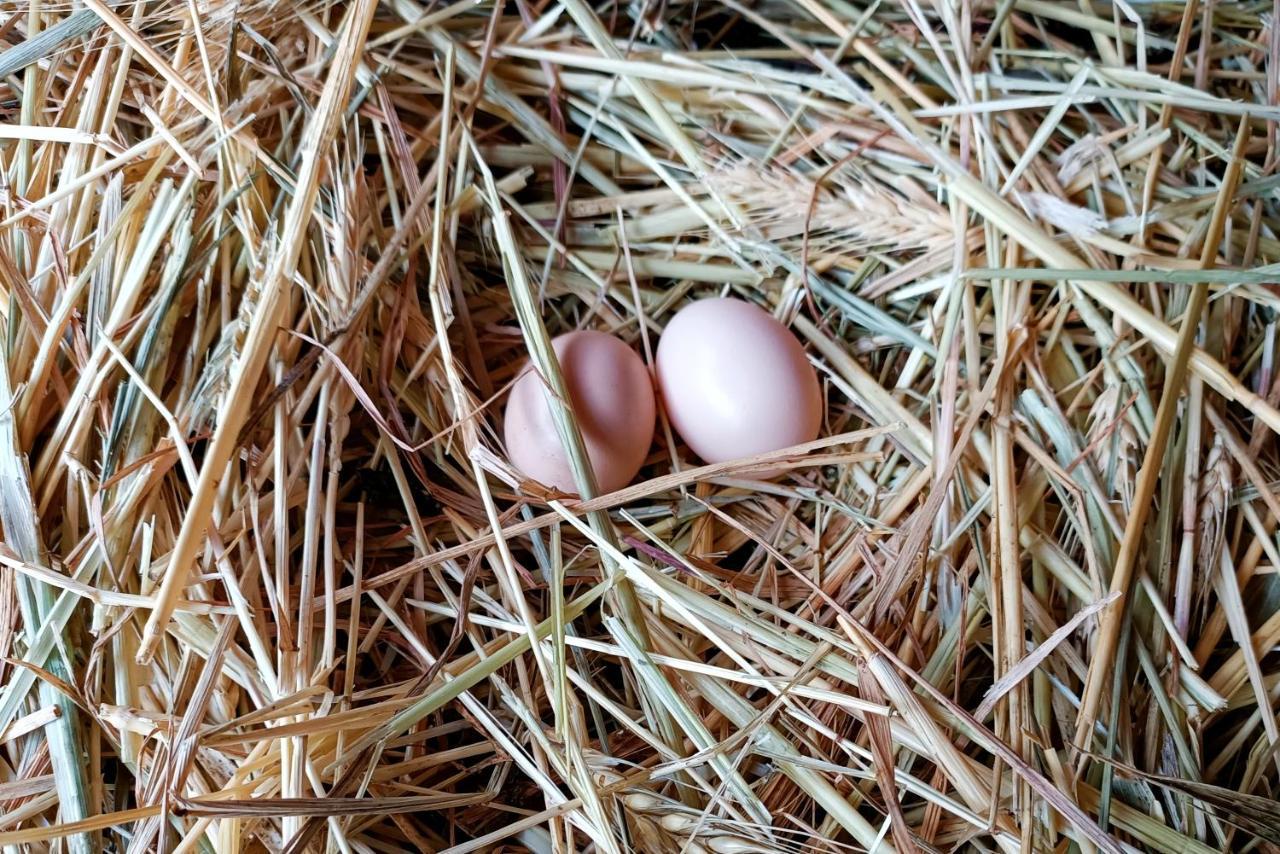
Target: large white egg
735, 382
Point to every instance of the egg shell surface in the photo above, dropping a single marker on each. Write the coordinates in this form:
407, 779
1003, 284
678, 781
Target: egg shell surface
613, 401
735, 382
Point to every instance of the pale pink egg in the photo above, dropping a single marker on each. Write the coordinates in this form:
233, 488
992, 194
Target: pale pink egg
612, 397
735, 382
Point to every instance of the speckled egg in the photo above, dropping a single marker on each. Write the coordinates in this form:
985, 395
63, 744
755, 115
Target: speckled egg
612, 397
735, 382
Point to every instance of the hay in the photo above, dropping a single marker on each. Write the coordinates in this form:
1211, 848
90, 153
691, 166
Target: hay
269, 583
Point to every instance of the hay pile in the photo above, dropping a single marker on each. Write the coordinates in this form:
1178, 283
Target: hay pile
267, 270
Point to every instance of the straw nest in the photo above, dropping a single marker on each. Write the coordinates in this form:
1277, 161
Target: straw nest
269, 583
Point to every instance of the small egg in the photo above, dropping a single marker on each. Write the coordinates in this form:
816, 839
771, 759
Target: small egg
612, 398
735, 382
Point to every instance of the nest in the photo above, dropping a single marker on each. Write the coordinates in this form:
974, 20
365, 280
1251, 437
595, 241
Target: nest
269, 583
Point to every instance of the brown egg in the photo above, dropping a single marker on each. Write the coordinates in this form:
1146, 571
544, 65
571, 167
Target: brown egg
612, 397
735, 382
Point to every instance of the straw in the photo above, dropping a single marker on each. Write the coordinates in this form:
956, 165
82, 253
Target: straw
269, 579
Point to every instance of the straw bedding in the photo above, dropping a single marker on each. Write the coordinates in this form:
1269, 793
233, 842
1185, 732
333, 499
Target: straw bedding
269, 582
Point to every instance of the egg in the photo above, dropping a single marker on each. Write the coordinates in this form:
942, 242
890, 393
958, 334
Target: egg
612, 397
735, 382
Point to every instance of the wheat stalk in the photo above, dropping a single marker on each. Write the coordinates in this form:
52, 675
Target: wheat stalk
846, 212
